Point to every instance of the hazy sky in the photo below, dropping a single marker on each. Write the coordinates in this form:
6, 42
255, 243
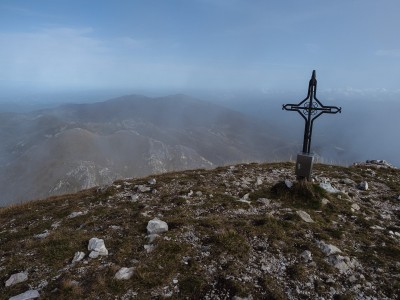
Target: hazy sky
251, 44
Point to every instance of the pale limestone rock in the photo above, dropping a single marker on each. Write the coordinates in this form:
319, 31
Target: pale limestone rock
152, 237
31, 294
363, 186
152, 181
78, 256
149, 248
42, 235
124, 273
328, 187
259, 181
306, 256
17, 278
76, 214
156, 226
304, 216
288, 183
98, 247
143, 188
328, 249
324, 201
355, 207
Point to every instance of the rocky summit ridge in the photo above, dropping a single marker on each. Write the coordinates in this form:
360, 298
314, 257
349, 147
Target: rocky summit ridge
247, 231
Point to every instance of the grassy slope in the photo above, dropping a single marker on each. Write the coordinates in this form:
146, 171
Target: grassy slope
216, 246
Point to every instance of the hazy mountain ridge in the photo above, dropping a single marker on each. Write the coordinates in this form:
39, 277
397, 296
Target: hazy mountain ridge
235, 231
123, 137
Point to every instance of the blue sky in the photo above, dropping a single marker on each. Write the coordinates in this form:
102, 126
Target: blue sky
205, 44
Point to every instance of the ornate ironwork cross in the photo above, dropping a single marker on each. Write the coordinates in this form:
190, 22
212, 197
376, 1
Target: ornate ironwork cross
310, 109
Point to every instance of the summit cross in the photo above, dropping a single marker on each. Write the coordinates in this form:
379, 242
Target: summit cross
309, 109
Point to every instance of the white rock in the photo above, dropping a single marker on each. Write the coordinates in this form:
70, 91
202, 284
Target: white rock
347, 181
288, 183
97, 245
94, 254
328, 249
152, 181
398, 198
149, 248
306, 256
199, 193
376, 227
152, 237
324, 201
143, 188
124, 273
305, 216
156, 226
17, 278
245, 199
31, 294
42, 235
355, 206
363, 186
259, 181
340, 262
78, 256
328, 187
190, 193
76, 214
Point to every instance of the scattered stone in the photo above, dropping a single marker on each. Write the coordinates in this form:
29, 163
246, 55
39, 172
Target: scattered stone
306, 256
17, 278
175, 281
264, 201
55, 225
31, 294
259, 181
328, 187
149, 248
398, 198
156, 226
190, 194
288, 183
324, 201
355, 207
304, 216
143, 188
199, 194
346, 181
152, 237
352, 278
98, 248
42, 235
363, 186
328, 249
76, 214
152, 181
124, 273
245, 199
78, 256
376, 227
340, 262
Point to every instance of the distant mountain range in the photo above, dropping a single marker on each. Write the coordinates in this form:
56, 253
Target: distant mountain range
78, 146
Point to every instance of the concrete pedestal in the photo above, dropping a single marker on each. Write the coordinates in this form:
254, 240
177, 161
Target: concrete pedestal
304, 165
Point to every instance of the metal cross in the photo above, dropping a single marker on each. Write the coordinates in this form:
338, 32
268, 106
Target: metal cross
310, 109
